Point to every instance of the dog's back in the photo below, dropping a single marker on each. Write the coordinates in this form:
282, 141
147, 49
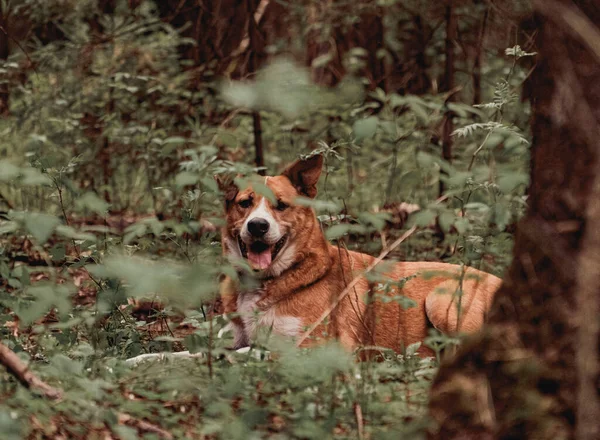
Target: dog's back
395, 307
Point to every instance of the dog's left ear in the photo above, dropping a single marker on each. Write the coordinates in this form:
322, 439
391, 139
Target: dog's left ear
304, 174
227, 186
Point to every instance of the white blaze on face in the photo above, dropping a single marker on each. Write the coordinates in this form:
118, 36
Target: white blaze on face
261, 211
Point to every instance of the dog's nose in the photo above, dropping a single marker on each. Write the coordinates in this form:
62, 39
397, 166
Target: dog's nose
258, 227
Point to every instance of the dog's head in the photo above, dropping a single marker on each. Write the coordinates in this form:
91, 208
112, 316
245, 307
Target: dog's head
269, 235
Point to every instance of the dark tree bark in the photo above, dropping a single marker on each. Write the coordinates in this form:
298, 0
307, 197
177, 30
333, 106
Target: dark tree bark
533, 371
4, 52
409, 70
367, 33
256, 43
478, 60
448, 124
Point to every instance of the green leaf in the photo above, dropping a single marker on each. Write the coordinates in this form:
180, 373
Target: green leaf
91, 201
411, 350
423, 218
259, 187
321, 60
446, 219
134, 231
359, 52
177, 140
390, 128
125, 432
501, 215
8, 171
336, 231
11, 424
419, 111
425, 160
210, 183
41, 226
240, 95
462, 225
186, 178
318, 205
46, 296
508, 182
66, 365
182, 285
69, 232
156, 226
58, 252
8, 227
365, 128
32, 177
377, 220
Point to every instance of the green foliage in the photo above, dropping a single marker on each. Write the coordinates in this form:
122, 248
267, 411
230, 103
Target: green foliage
108, 200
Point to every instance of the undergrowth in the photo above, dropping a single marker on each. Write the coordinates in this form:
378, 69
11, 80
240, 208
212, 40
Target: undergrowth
109, 244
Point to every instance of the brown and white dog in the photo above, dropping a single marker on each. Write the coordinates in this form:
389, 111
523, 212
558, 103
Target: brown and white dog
302, 274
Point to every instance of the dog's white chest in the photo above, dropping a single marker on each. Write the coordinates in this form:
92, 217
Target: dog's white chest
253, 318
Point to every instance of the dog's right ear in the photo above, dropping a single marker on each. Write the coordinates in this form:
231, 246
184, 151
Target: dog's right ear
304, 174
227, 186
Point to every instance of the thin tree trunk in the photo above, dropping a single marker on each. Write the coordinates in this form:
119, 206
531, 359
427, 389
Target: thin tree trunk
259, 158
450, 42
253, 35
448, 124
478, 59
4, 52
588, 280
533, 371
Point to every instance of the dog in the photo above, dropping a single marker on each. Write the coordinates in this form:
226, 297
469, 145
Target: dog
301, 275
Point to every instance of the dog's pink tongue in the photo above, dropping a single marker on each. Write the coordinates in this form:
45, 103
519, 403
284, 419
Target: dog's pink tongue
261, 260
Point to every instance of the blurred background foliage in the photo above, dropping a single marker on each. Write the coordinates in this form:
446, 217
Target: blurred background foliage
116, 115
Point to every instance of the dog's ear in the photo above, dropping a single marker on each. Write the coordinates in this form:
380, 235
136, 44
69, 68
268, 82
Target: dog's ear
304, 174
227, 186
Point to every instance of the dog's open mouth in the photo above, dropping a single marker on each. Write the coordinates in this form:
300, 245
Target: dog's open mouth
260, 254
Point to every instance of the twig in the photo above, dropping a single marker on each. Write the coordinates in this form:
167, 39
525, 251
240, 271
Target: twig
210, 340
258, 15
134, 361
142, 425
225, 121
64, 213
22, 49
20, 370
360, 425
353, 283
476, 152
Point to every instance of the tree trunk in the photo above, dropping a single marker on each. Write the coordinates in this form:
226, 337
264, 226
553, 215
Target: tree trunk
256, 43
533, 371
448, 124
478, 59
4, 52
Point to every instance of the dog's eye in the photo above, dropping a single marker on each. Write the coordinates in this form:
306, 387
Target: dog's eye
281, 206
245, 203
